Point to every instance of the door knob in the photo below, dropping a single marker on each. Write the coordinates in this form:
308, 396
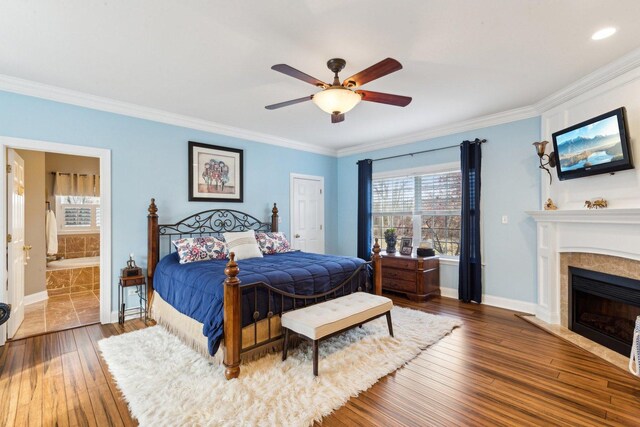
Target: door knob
297, 236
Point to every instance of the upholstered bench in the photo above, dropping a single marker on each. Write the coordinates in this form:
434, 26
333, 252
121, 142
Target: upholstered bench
329, 318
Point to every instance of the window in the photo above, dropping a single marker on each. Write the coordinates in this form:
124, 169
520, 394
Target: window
423, 207
78, 214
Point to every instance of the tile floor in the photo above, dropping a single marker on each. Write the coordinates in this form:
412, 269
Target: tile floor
60, 312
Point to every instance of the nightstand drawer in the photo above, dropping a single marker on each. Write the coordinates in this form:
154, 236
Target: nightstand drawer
403, 263
417, 277
392, 273
399, 284
132, 281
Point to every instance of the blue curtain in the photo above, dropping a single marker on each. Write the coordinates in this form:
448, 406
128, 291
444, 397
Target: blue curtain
365, 195
470, 278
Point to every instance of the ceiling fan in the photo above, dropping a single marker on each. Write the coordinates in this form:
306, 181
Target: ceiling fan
336, 99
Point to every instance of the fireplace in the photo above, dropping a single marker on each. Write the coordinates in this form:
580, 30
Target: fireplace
607, 241
603, 307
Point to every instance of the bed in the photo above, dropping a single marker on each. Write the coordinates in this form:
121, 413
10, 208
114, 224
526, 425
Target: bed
233, 313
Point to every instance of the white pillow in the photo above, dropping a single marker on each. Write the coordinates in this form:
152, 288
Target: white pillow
243, 244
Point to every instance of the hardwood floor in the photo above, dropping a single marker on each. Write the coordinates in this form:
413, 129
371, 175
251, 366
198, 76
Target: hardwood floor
496, 369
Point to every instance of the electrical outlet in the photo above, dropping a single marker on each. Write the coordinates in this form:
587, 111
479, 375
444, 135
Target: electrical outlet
132, 292
505, 219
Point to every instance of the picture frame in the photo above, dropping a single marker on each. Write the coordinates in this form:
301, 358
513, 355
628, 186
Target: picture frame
215, 173
405, 246
405, 241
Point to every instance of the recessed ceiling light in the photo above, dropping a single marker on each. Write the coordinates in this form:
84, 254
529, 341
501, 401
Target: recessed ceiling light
603, 33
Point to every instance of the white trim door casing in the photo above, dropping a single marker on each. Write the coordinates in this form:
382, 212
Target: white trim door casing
307, 212
105, 211
16, 247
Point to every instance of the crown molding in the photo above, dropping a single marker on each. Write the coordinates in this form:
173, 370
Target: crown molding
621, 66
54, 93
450, 129
599, 77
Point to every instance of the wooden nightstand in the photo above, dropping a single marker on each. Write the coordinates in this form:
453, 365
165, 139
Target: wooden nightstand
417, 277
140, 282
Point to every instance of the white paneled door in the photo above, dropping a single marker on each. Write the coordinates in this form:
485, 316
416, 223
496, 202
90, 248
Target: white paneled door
17, 251
307, 213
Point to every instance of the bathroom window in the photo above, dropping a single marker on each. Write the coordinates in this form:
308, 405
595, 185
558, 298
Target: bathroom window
78, 214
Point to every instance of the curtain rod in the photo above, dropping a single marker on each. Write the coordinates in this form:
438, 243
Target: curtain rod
69, 173
475, 141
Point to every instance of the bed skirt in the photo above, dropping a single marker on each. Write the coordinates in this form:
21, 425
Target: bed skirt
190, 332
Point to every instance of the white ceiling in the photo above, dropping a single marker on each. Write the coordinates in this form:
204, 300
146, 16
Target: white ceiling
211, 59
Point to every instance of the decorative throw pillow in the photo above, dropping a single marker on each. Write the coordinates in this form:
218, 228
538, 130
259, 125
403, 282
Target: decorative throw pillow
273, 243
243, 244
193, 249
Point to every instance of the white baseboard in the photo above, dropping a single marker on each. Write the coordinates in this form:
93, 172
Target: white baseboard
37, 297
494, 301
545, 315
449, 292
508, 303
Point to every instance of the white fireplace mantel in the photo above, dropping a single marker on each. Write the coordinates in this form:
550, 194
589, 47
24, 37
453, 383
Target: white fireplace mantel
614, 232
592, 216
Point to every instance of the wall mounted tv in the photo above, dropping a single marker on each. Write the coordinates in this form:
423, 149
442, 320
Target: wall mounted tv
599, 145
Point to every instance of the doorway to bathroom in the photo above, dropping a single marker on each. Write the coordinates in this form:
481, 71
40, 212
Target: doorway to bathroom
65, 238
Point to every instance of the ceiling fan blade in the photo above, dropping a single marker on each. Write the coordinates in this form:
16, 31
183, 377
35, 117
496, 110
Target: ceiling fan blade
286, 103
382, 68
337, 118
297, 74
384, 98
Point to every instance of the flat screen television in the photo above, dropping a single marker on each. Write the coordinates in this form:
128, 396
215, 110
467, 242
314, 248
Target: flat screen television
599, 145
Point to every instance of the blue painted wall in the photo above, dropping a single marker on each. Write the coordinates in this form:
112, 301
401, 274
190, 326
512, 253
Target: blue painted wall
149, 159
510, 186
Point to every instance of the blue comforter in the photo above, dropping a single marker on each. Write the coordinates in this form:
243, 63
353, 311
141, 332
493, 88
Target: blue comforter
196, 289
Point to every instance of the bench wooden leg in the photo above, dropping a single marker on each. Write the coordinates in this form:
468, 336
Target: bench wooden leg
315, 358
285, 346
389, 323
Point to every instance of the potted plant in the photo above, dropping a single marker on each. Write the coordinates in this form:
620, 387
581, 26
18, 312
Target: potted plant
391, 238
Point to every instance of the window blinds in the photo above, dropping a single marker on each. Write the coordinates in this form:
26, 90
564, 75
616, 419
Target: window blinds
77, 216
441, 192
427, 193
394, 195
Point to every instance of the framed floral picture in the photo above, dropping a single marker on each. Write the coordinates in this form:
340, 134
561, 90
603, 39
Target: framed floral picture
215, 173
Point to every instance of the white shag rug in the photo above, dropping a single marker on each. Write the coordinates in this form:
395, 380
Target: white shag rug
166, 383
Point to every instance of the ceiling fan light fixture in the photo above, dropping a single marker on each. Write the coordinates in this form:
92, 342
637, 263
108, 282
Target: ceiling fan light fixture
336, 100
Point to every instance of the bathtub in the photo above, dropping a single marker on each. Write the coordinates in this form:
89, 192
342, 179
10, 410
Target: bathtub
91, 261
68, 276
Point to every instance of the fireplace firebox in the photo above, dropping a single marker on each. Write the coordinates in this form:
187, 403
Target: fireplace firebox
603, 307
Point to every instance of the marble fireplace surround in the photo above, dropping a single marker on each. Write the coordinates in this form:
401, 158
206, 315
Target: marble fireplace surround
614, 265
606, 240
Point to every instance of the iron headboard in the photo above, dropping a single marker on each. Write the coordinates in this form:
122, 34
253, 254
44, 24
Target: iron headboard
210, 223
